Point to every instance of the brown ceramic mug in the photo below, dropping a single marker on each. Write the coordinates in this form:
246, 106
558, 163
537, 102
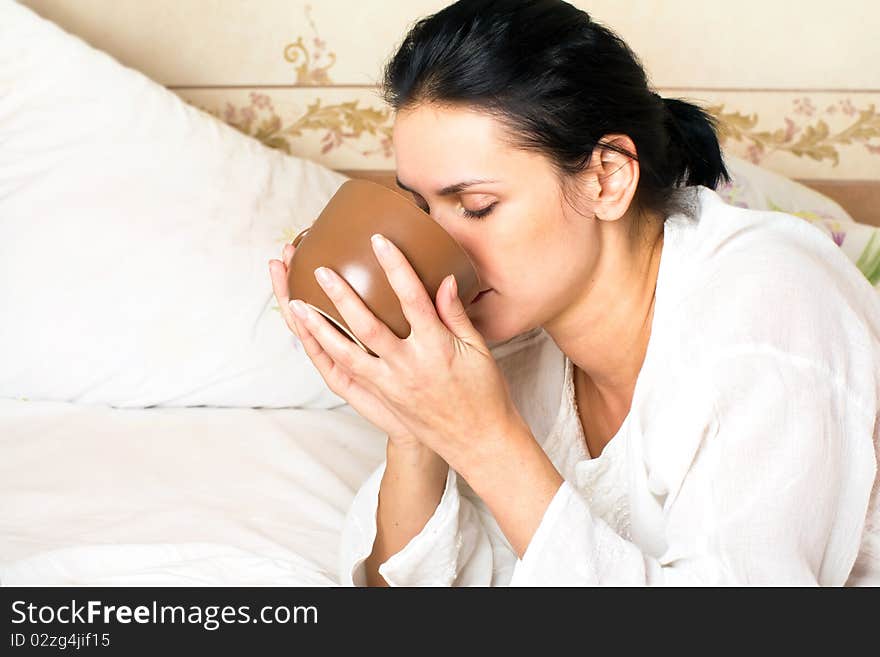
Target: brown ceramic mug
340, 239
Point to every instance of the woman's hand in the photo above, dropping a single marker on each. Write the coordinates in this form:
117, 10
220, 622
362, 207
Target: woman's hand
439, 386
360, 398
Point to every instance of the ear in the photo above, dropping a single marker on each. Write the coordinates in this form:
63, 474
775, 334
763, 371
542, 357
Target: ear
617, 177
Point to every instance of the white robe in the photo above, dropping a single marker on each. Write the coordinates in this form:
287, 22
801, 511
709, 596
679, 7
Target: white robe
749, 453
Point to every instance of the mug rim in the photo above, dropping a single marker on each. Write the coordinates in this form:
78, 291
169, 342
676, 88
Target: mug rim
340, 327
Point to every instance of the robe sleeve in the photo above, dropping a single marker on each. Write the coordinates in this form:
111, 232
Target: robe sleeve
460, 545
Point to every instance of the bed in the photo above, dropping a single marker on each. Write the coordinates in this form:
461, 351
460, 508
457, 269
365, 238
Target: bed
177, 496
158, 423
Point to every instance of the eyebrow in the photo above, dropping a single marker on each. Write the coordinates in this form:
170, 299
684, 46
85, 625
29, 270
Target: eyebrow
451, 189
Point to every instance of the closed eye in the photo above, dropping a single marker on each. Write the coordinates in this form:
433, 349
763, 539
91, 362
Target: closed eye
470, 214
479, 214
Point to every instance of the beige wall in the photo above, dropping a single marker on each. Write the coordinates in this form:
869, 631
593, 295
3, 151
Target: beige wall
796, 85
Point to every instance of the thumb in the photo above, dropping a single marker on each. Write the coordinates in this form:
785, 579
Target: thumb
452, 312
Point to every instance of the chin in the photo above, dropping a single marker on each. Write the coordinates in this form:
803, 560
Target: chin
494, 332
491, 324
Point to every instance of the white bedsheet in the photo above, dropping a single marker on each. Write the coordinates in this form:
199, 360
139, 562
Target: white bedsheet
166, 496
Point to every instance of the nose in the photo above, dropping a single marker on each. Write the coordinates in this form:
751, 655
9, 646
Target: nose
481, 282
467, 242
455, 230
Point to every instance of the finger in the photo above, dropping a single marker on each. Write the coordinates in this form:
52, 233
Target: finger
361, 395
414, 299
339, 348
370, 330
287, 254
453, 313
320, 358
278, 273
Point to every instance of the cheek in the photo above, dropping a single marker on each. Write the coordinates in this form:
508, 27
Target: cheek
528, 249
548, 271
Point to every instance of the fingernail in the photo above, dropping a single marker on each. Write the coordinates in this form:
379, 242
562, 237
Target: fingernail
380, 243
299, 309
453, 288
325, 277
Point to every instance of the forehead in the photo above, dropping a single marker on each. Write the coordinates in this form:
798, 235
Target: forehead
442, 145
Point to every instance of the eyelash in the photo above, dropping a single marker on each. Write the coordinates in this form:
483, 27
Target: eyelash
470, 214
479, 214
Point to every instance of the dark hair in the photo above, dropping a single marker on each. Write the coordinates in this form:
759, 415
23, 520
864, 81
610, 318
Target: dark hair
558, 81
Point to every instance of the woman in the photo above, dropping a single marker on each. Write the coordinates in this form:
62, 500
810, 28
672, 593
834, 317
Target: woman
677, 391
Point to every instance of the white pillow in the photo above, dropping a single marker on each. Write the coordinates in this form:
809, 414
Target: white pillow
761, 189
135, 235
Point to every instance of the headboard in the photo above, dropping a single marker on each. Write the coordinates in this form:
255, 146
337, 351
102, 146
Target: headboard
860, 198
302, 76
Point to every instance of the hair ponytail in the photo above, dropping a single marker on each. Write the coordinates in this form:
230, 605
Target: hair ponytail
694, 152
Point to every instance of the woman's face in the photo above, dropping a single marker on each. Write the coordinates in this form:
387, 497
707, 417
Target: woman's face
533, 249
